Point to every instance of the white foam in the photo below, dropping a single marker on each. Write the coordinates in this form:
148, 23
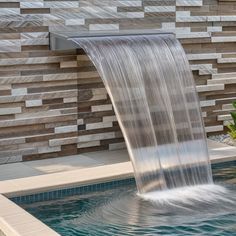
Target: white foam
188, 195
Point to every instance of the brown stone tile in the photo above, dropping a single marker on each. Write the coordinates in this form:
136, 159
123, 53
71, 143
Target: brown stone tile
35, 10
93, 149
9, 4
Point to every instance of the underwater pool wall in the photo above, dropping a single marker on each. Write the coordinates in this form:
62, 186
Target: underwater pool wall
53, 103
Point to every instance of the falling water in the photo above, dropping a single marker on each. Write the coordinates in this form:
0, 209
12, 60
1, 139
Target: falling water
153, 93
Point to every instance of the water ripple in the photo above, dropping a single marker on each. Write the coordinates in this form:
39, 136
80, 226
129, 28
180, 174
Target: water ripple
205, 210
125, 213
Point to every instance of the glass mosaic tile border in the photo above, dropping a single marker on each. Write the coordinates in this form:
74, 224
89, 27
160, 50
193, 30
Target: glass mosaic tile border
80, 190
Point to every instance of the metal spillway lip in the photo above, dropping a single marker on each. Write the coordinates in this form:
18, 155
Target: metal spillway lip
64, 40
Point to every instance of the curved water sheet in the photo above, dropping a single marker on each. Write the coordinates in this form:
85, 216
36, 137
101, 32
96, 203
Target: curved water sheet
153, 93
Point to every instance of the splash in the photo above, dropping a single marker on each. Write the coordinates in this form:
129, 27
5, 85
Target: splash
190, 195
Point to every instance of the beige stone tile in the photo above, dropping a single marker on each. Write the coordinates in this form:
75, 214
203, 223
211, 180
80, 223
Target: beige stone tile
108, 157
21, 217
44, 232
7, 229
16, 171
16, 221
63, 164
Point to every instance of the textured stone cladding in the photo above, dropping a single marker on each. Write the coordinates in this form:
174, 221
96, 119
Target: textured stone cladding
54, 103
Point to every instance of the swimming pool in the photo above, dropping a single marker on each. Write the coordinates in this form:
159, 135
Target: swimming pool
115, 209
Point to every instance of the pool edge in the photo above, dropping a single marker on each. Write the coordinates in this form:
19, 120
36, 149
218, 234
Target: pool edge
15, 221
75, 178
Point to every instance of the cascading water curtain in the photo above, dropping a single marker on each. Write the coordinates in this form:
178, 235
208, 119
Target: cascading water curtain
153, 93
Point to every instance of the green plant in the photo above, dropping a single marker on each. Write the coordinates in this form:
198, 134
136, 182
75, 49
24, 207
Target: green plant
232, 125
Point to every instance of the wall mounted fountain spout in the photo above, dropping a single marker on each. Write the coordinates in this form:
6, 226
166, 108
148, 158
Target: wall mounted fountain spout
64, 40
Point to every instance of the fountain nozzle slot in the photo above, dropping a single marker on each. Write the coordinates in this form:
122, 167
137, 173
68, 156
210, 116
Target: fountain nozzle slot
64, 40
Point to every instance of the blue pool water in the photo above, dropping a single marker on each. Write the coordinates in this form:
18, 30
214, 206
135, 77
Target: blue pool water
119, 211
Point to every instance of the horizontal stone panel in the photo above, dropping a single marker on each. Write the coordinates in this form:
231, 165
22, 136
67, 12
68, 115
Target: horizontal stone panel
88, 144
12, 110
95, 137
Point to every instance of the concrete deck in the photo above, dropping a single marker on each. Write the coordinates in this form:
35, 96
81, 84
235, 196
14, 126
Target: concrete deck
62, 164
218, 152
